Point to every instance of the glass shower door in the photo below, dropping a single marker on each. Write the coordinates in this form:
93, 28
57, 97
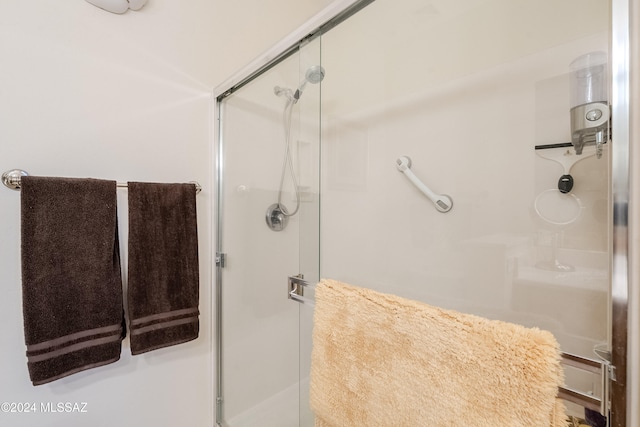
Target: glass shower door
268, 231
469, 91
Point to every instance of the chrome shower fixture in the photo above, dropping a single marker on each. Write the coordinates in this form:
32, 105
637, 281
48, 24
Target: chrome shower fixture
277, 215
314, 75
283, 91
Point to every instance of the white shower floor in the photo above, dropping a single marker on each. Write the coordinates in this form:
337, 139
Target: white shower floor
279, 410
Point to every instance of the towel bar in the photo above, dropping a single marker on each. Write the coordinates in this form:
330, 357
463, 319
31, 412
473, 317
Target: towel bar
297, 284
12, 179
602, 368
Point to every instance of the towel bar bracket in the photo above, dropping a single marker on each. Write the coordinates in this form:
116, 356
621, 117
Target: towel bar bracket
11, 179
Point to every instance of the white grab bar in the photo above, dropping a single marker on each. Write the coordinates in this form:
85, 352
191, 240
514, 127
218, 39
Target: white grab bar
442, 202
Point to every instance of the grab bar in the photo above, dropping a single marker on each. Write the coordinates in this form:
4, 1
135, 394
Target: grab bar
13, 179
442, 202
297, 284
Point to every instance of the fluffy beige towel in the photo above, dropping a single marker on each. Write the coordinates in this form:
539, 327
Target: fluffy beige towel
382, 360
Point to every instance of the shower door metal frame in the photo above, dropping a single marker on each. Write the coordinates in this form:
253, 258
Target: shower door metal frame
625, 190
625, 273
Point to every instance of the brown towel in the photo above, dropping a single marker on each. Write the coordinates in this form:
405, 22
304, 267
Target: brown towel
381, 360
163, 265
71, 282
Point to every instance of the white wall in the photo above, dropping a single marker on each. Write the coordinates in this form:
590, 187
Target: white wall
86, 93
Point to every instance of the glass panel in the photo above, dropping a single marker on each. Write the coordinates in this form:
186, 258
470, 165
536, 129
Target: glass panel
262, 329
260, 326
467, 90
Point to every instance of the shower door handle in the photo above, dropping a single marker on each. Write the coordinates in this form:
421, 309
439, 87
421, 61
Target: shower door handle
295, 289
442, 202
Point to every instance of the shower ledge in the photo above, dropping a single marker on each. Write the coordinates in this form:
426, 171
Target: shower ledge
585, 278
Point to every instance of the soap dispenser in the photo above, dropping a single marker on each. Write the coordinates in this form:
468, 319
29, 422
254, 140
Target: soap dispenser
589, 102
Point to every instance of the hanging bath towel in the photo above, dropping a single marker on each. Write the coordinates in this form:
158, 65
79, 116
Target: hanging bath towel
381, 360
163, 285
71, 282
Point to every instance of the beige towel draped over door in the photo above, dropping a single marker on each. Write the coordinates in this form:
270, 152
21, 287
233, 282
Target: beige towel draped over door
381, 360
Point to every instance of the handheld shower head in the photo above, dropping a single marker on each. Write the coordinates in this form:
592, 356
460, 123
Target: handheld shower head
314, 75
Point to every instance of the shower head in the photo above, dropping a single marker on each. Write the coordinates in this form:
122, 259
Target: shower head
314, 75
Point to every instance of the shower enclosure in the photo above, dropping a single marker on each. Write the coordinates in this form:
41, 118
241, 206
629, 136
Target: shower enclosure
418, 148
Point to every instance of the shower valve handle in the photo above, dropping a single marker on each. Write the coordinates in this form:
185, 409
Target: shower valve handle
442, 202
